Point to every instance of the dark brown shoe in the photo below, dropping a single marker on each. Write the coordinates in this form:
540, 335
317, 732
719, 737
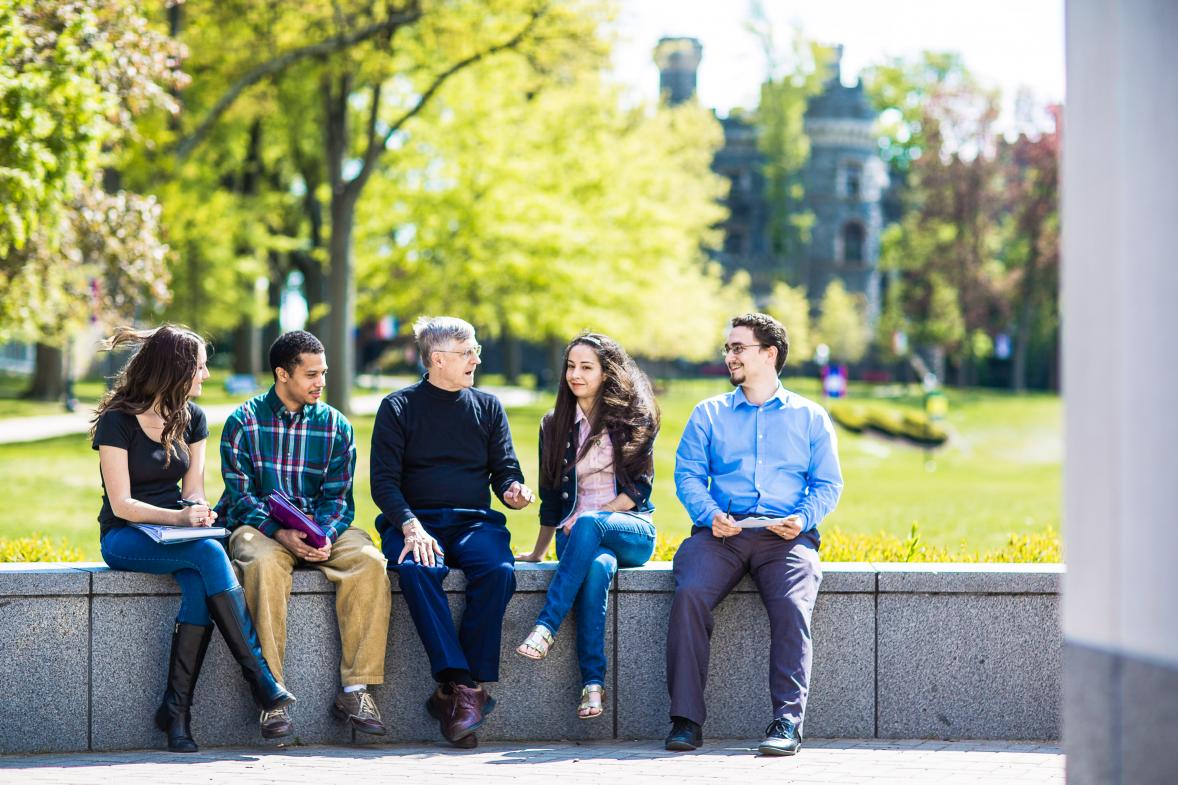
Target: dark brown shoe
358, 708
460, 713
276, 723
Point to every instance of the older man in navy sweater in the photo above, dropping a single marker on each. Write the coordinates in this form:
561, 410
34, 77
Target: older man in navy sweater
439, 447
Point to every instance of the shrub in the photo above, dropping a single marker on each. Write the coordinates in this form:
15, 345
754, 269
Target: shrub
908, 424
919, 428
849, 415
37, 548
1038, 548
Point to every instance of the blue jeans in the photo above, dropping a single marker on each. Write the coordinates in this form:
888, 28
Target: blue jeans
589, 556
201, 567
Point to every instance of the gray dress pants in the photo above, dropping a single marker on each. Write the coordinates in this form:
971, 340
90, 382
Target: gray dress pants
706, 569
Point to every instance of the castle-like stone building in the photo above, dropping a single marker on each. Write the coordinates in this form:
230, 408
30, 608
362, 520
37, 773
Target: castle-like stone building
844, 182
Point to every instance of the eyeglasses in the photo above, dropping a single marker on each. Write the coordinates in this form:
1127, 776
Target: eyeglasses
467, 354
738, 348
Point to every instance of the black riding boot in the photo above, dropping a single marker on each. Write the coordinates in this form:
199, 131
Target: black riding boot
189, 644
233, 620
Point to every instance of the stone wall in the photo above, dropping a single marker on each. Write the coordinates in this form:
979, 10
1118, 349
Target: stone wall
901, 651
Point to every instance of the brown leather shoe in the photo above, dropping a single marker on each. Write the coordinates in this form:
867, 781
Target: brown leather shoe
360, 710
276, 723
460, 713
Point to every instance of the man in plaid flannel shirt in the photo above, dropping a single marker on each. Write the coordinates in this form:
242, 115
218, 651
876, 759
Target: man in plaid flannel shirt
289, 440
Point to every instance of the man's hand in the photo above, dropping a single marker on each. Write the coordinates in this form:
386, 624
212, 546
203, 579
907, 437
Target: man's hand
724, 525
530, 557
425, 549
320, 554
292, 540
789, 528
518, 496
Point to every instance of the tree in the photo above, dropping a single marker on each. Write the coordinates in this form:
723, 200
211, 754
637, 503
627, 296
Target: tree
788, 305
541, 206
795, 75
842, 323
375, 67
949, 242
901, 88
73, 78
1031, 166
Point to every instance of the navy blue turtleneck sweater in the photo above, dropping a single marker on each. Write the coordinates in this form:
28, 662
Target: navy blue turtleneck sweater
432, 448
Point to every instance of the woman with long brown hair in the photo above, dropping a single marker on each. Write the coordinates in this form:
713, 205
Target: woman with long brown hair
596, 471
151, 438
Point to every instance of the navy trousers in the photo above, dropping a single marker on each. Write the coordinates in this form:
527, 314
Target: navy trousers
706, 569
478, 543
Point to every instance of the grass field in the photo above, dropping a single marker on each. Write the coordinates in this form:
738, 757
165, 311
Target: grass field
999, 474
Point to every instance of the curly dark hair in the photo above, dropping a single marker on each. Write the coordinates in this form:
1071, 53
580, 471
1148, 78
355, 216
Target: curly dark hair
285, 351
158, 375
768, 331
626, 409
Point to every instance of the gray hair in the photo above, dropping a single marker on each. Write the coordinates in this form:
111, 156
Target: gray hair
435, 332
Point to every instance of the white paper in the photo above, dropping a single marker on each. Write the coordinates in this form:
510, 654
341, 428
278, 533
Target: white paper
757, 523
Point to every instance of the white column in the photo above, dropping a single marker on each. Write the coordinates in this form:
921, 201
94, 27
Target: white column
1120, 312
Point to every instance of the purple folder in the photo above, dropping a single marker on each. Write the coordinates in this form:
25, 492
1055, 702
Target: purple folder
289, 516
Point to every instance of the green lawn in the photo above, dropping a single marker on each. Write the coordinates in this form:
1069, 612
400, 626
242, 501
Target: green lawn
999, 474
89, 391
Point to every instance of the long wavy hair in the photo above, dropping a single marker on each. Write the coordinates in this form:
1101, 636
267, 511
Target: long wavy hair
625, 409
159, 375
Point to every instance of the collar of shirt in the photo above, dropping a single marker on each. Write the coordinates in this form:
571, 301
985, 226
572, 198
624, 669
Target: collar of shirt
580, 424
279, 408
780, 395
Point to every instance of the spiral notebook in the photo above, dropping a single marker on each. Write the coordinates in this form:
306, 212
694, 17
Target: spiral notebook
170, 534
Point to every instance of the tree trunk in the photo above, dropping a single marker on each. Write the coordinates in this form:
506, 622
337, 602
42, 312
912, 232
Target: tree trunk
48, 382
512, 357
245, 349
315, 291
341, 346
341, 278
272, 329
1026, 313
555, 364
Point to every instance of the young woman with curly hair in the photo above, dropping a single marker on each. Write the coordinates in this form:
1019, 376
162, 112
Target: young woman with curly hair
596, 471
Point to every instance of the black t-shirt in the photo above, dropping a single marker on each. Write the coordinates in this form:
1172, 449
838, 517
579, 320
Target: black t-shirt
151, 483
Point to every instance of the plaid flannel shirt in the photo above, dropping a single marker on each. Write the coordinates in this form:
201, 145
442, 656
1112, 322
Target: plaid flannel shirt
309, 455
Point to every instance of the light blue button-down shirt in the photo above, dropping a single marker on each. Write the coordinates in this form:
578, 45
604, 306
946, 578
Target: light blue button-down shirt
777, 459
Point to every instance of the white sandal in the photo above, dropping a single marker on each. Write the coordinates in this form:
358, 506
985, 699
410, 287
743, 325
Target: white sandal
592, 701
539, 641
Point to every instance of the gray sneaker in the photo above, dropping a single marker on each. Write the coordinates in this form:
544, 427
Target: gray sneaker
276, 723
359, 708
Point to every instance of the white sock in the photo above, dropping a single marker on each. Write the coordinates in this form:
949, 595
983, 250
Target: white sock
355, 687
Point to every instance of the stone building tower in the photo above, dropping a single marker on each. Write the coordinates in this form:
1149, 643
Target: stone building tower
678, 62
844, 183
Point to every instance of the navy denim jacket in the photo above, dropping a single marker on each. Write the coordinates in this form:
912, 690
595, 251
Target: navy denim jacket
557, 503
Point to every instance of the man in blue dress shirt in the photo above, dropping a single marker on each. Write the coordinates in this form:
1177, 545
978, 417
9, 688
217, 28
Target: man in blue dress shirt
757, 470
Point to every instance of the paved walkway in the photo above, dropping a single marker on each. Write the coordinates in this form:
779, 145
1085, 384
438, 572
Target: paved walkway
31, 429
821, 762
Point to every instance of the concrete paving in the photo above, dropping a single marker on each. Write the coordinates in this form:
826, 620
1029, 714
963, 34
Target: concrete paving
821, 762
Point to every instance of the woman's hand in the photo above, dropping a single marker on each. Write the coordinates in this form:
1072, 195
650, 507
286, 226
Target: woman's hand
199, 514
530, 557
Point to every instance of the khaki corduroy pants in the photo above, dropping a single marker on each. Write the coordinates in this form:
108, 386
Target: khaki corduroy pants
362, 598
